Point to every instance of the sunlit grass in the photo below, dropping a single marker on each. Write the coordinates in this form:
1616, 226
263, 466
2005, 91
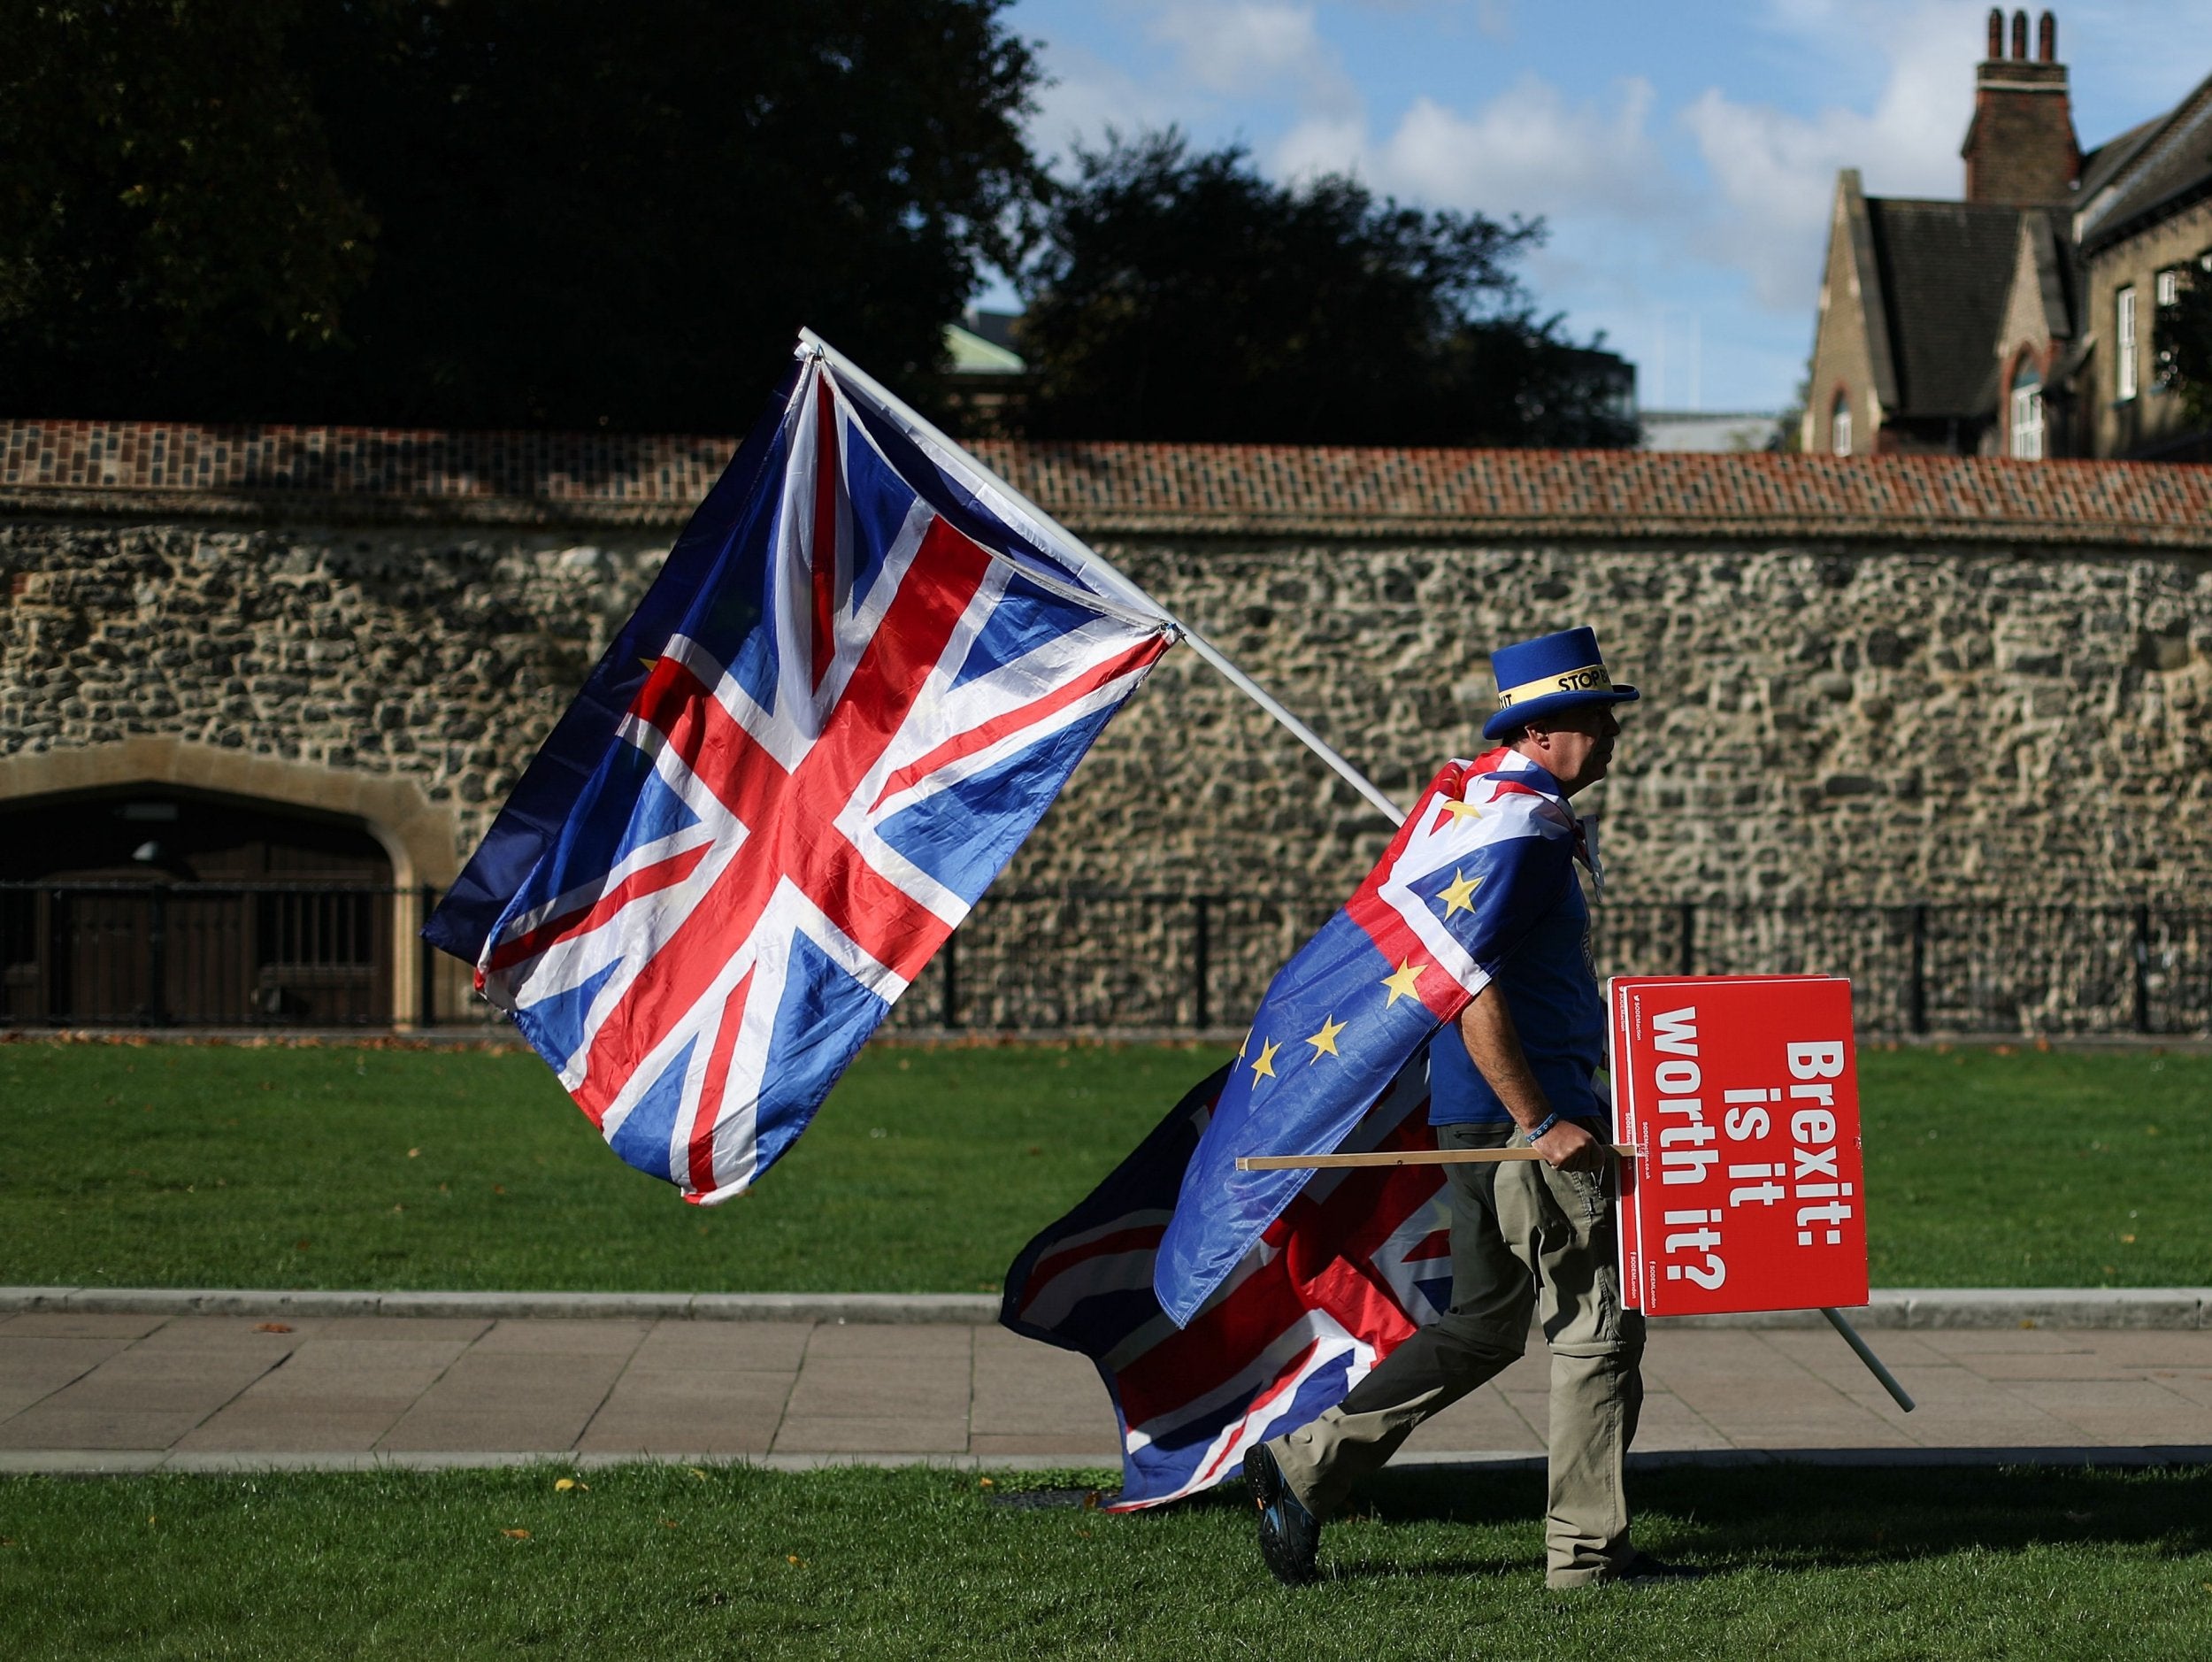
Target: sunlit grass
345, 1167
1874, 1566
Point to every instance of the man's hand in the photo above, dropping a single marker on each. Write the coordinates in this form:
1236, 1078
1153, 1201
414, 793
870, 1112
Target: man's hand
1488, 1027
1567, 1147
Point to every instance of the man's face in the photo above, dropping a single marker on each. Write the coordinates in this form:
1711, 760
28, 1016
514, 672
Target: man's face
1576, 744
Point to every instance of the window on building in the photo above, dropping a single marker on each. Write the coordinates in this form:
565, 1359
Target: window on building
1839, 426
2027, 412
2123, 343
2170, 283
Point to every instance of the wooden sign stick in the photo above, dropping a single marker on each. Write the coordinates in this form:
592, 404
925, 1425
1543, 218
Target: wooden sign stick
1396, 1156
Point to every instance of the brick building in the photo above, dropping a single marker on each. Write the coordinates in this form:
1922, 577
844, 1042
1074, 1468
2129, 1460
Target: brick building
2020, 320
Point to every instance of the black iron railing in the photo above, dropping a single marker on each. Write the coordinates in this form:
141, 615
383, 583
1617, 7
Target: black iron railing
1042, 960
1045, 960
197, 954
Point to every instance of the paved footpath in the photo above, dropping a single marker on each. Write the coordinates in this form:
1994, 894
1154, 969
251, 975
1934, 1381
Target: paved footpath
85, 1389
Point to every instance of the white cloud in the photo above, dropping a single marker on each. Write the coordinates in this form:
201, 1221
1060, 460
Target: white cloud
1088, 95
1774, 173
1652, 205
1208, 57
1527, 151
1236, 48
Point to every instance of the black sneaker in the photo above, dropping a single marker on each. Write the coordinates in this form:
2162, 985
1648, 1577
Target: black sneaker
1643, 1570
1290, 1536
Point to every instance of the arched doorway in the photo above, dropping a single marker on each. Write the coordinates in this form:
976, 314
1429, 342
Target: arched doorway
155, 904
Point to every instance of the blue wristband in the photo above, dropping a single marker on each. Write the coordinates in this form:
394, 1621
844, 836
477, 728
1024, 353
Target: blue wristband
1542, 1126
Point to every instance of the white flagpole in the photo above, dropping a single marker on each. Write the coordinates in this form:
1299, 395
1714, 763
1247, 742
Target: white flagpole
1026, 516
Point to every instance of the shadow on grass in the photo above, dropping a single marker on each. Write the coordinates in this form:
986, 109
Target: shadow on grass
1806, 1517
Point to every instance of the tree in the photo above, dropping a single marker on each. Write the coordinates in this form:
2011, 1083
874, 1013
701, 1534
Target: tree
2183, 343
583, 213
168, 210
1181, 297
1790, 425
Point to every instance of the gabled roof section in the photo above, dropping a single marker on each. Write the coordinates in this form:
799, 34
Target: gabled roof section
2046, 235
2039, 297
2163, 168
1853, 224
1944, 269
2099, 165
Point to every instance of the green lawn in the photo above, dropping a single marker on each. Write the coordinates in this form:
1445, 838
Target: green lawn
180, 1164
665, 1562
2083, 1169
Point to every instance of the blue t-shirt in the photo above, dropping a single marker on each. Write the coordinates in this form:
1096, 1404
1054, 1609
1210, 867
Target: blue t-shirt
1551, 989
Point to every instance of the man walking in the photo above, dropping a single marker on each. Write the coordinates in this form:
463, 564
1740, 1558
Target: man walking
1520, 1065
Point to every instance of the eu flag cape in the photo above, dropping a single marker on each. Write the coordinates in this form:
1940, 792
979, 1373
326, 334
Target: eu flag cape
1483, 855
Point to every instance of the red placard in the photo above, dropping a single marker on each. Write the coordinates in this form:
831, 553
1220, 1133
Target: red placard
1741, 1097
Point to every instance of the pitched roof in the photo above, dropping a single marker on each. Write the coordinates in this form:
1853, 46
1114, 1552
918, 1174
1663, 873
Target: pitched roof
2099, 165
973, 354
2170, 164
2048, 256
290, 474
1943, 269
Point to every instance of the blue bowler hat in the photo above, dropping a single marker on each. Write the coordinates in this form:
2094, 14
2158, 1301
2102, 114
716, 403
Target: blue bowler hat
1553, 672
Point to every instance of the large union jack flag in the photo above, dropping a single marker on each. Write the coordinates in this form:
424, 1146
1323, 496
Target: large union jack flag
1353, 1267
862, 676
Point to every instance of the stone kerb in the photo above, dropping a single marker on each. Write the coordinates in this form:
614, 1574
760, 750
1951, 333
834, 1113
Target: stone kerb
2082, 1309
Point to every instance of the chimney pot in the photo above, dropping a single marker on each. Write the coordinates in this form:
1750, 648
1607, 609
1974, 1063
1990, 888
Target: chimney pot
2020, 149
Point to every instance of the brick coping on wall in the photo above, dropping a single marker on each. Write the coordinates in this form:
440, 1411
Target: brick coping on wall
294, 472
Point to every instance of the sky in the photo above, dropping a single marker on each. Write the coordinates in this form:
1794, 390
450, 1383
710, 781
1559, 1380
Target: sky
1683, 152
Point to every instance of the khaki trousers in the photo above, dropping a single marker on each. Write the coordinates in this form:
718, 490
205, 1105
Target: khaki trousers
1520, 1231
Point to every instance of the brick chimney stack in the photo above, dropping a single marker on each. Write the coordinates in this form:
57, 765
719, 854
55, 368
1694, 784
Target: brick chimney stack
2020, 148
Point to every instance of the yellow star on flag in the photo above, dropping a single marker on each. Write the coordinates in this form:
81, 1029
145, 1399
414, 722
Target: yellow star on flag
1264, 1068
1455, 895
1401, 983
1461, 810
1324, 1042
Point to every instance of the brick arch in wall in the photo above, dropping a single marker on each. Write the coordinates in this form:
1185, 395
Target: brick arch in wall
417, 835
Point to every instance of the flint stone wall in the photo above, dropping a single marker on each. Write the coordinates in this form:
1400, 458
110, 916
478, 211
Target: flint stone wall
1867, 679
1847, 721
433, 653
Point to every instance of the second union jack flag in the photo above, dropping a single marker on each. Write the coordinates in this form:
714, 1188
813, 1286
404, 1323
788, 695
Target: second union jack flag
862, 677
1356, 1264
